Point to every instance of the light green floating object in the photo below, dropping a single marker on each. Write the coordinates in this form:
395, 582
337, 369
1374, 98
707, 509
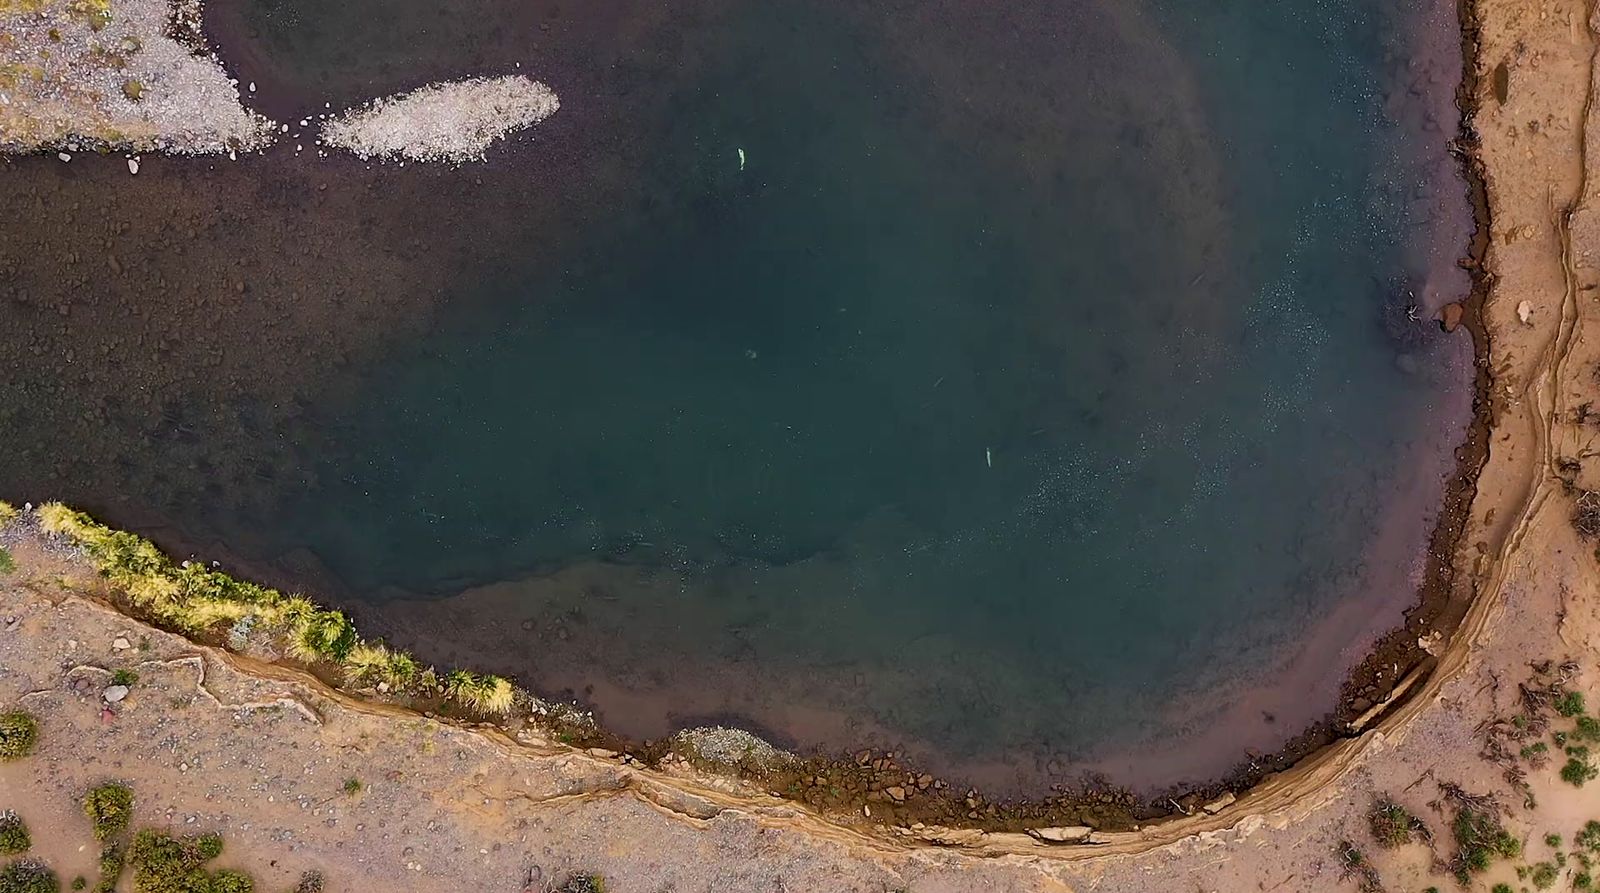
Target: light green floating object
741, 158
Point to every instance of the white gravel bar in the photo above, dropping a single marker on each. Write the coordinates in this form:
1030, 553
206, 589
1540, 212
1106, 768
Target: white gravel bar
453, 121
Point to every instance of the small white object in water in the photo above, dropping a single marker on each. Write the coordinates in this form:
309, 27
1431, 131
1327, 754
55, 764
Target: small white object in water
133, 166
741, 158
252, 86
988, 457
63, 156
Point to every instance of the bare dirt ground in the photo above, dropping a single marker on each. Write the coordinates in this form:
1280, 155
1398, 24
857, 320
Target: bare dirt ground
262, 754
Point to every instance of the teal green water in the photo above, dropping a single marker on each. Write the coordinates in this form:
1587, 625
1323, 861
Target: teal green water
1031, 372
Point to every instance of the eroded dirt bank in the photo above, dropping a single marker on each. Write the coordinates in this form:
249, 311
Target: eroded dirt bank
444, 807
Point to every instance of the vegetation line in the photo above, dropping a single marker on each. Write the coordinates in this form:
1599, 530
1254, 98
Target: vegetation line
197, 600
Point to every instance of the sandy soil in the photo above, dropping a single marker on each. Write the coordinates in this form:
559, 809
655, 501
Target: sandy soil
260, 753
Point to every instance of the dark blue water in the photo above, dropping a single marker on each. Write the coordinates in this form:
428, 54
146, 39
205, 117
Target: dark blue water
1029, 384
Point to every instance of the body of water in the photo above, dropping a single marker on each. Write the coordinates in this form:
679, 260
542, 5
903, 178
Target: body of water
1023, 388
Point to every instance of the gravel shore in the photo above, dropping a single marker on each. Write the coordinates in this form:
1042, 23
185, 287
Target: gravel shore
452, 122
126, 75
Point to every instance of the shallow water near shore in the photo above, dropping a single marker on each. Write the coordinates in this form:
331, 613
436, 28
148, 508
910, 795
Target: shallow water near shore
1021, 389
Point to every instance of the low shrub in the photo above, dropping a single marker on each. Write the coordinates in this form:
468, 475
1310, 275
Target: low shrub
583, 883
1480, 839
14, 837
19, 732
163, 863
1392, 825
109, 808
1579, 769
112, 859
1588, 837
28, 876
1570, 703
1588, 729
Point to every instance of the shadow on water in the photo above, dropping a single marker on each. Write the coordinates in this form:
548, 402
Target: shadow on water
1005, 385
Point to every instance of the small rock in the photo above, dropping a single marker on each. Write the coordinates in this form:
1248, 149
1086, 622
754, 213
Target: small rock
115, 693
1525, 313
133, 165
896, 793
1068, 834
1450, 316
120, 644
63, 156
106, 715
1219, 804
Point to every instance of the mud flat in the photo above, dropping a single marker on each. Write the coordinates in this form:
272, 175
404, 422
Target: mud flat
212, 740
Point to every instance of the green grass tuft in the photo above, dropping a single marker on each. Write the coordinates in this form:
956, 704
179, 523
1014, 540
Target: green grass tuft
483, 693
19, 732
1570, 703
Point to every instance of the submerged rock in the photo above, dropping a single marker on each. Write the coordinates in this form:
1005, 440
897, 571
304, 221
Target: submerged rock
1450, 316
